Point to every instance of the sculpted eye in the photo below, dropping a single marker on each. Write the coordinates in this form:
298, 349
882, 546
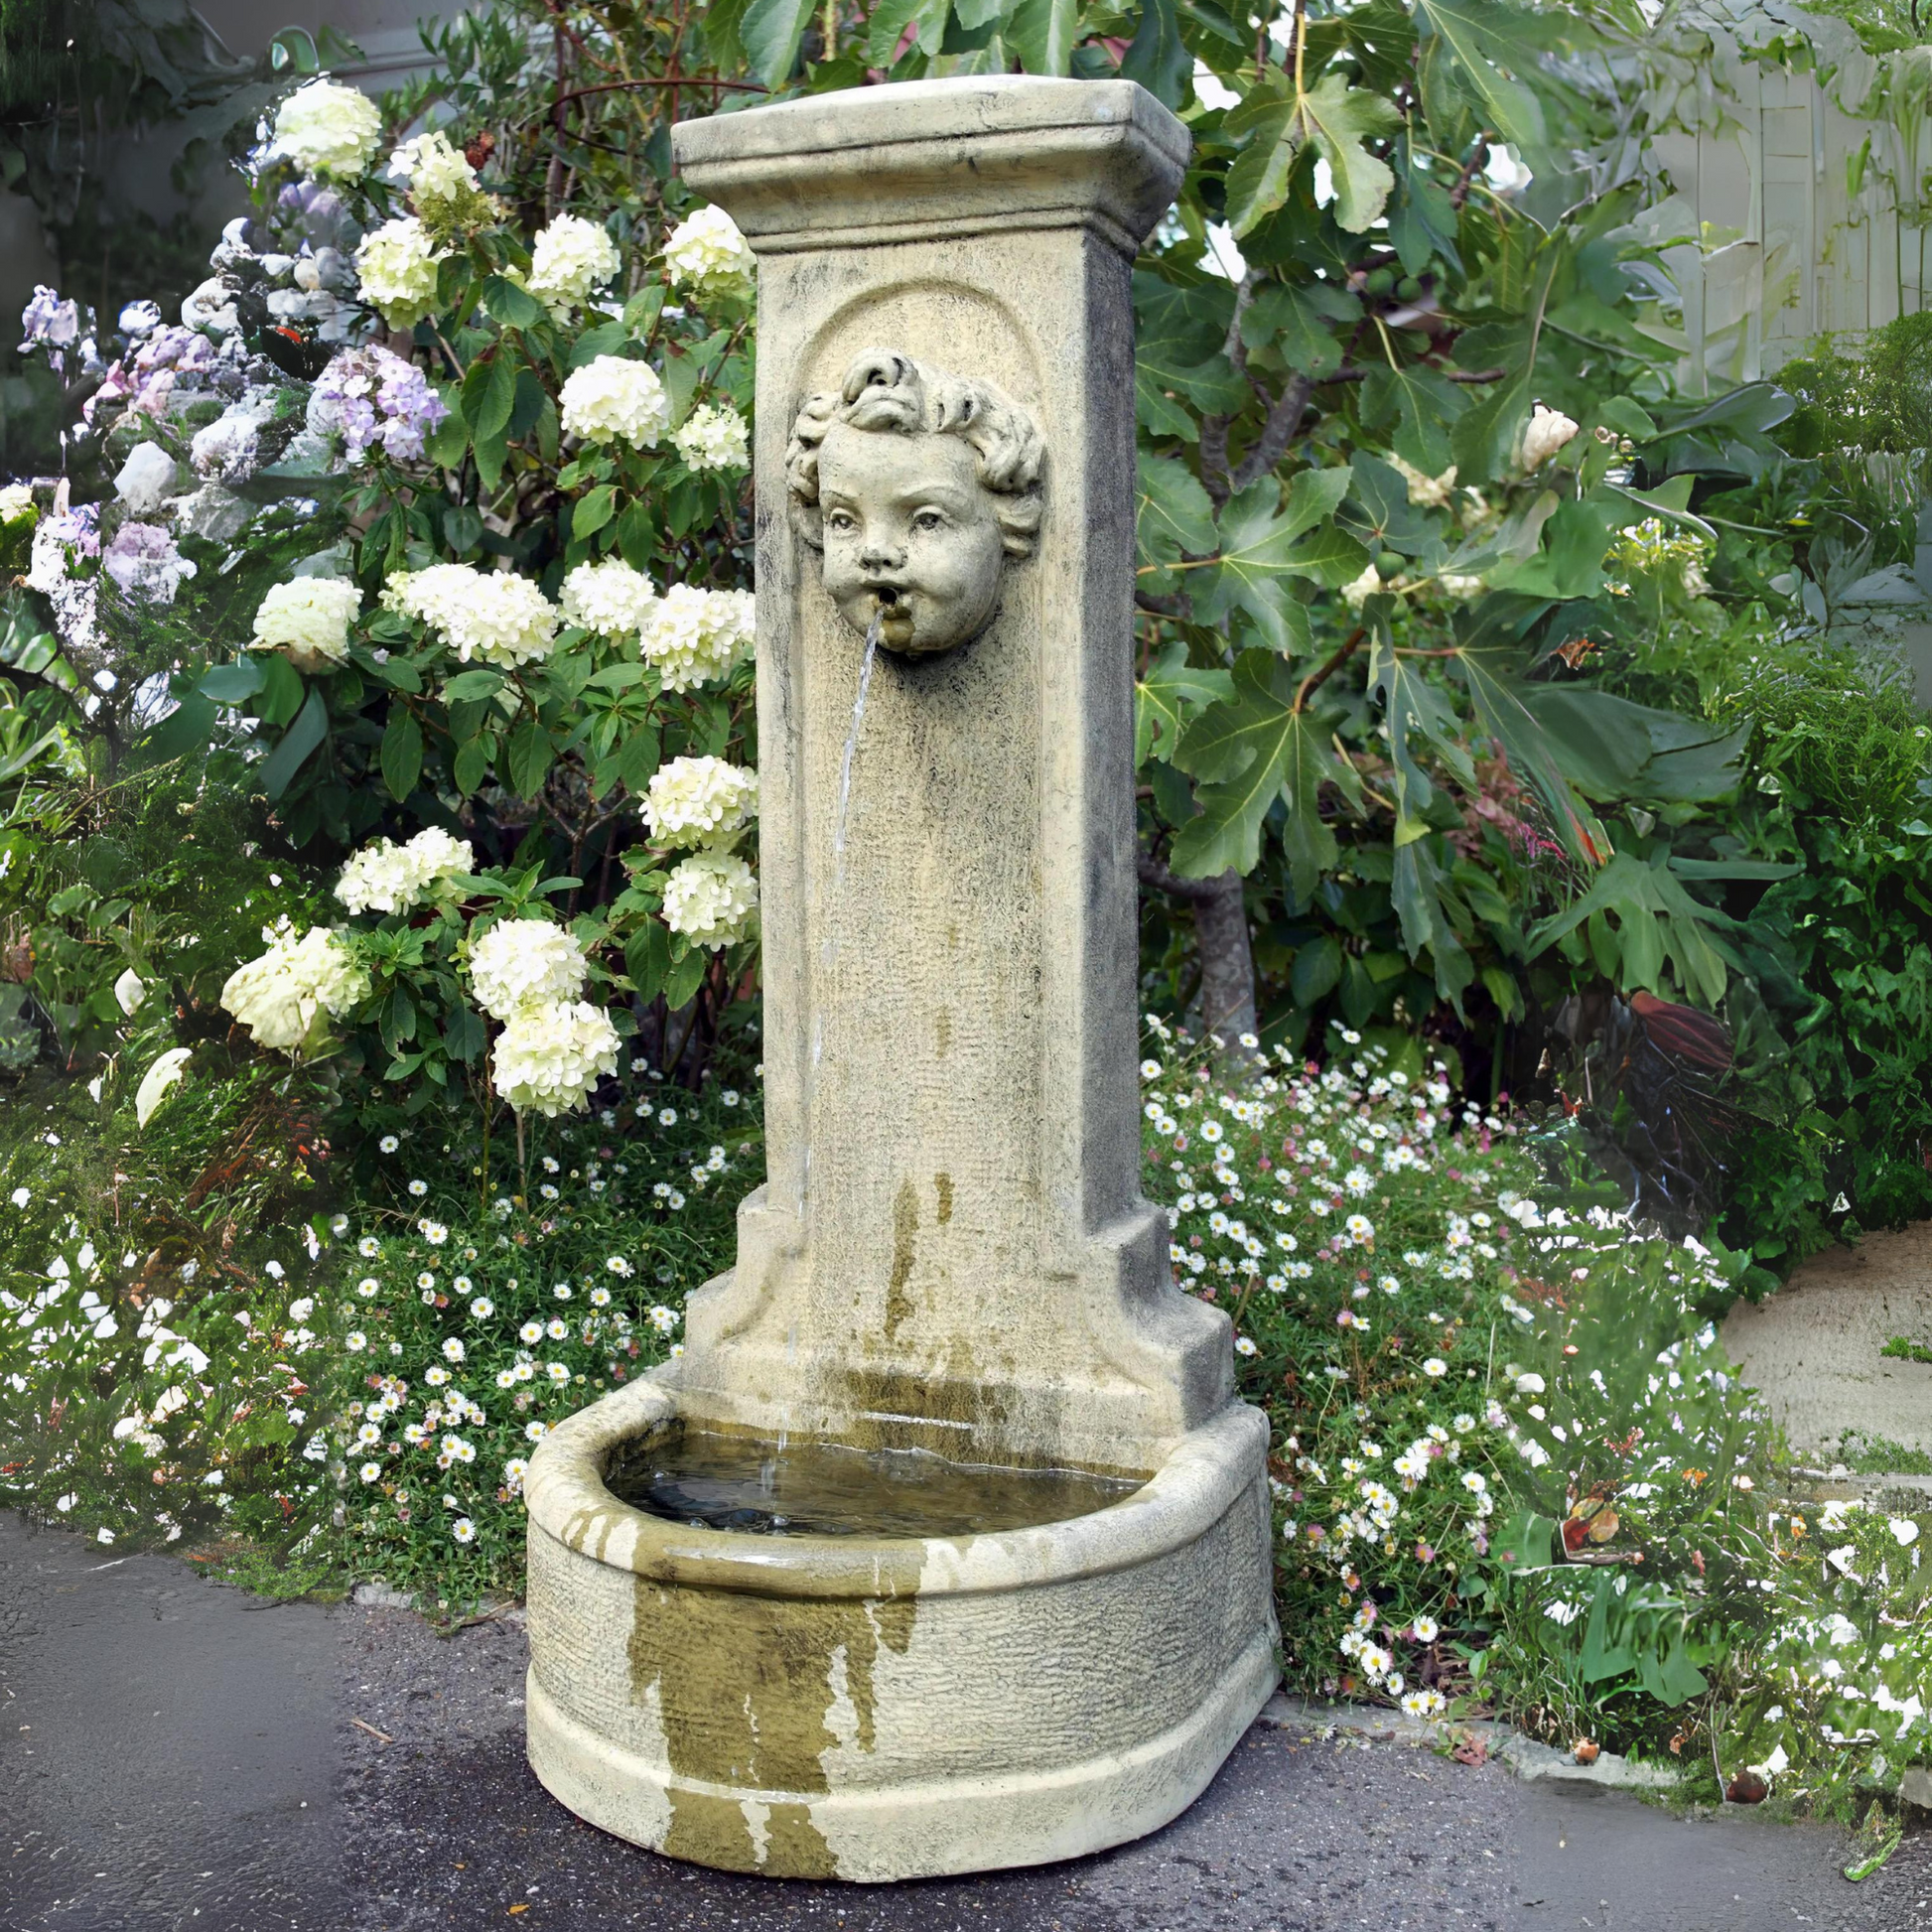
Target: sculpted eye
928, 520
842, 521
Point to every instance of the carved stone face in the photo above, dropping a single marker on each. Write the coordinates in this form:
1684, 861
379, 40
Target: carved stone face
908, 529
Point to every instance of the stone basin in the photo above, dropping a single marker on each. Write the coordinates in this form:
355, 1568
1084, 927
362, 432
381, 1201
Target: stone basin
882, 1708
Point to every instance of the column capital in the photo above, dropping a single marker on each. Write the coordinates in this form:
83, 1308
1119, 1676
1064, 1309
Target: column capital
932, 159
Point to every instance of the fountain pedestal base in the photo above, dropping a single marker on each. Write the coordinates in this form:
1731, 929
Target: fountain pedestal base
883, 1708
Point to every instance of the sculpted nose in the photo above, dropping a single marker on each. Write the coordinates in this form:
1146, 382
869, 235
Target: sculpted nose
877, 554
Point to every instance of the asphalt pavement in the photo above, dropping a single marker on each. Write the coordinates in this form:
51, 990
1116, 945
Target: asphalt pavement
174, 1754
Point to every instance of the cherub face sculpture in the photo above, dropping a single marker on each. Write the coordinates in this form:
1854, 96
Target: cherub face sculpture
916, 485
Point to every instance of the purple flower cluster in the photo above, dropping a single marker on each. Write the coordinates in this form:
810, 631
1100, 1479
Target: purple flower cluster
370, 396
79, 528
147, 377
145, 563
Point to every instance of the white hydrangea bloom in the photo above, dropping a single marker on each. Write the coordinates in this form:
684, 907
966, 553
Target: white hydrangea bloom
711, 898
547, 1058
695, 637
483, 613
707, 254
159, 1080
146, 480
613, 397
388, 877
1426, 492
522, 963
17, 499
397, 264
571, 257
285, 996
309, 620
434, 168
609, 598
701, 801
326, 128
1549, 431
714, 438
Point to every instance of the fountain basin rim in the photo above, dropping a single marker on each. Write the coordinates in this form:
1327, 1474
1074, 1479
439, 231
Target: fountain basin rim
1204, 1475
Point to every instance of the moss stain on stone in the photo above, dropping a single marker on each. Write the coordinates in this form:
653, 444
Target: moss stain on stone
942, 1186
941, 1033
905, 1227
745, 1691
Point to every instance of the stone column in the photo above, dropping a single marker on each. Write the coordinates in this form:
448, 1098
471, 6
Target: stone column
951, 1248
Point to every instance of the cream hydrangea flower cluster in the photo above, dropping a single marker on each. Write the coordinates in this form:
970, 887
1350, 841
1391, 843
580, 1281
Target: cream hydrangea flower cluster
436, 171
701, 801
711, 898
398, 267
326, 128
547, 1058
490, 615
570, 257
707, 254
308, 620
388, 877
714, 438
610, 597
696, 636
522, 963
614, 399
554, 1047
286, 997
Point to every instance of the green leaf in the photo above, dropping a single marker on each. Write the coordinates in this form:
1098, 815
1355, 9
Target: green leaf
607, 338
1250, 751
464, 1036
490, 394
593, 511
1423, 403
1295, 320
887, 23
1523, 1542
771, 31
1339, 119
473, 761
1462, 49
1042, 34
1257, 182
1176, 514
402, 752
531, 754
514, 307
232, 684
467, 686
1265, 543
1167, 697
1416, 889
1412, 705
185, 731
1654, 910
299, 744
647, 958
682, 979
1156, 57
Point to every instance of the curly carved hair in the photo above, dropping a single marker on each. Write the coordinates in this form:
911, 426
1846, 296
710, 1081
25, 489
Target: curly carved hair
889, 393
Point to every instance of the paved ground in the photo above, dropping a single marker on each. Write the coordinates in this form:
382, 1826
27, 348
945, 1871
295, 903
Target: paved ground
172, 1756
1813, 1347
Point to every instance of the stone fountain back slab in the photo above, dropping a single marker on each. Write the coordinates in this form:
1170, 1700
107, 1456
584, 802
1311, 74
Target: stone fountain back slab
950, 1253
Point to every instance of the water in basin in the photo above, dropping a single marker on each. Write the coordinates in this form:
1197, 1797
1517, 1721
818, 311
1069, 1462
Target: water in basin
719, 1481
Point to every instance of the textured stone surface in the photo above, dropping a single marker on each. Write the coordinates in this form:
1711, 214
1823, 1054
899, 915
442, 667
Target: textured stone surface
952, 1228
950, 1251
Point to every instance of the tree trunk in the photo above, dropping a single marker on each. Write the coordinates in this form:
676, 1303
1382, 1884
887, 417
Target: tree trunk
1227, 964
1227, 961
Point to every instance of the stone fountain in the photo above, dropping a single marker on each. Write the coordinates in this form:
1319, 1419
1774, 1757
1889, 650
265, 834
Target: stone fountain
944, 1543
